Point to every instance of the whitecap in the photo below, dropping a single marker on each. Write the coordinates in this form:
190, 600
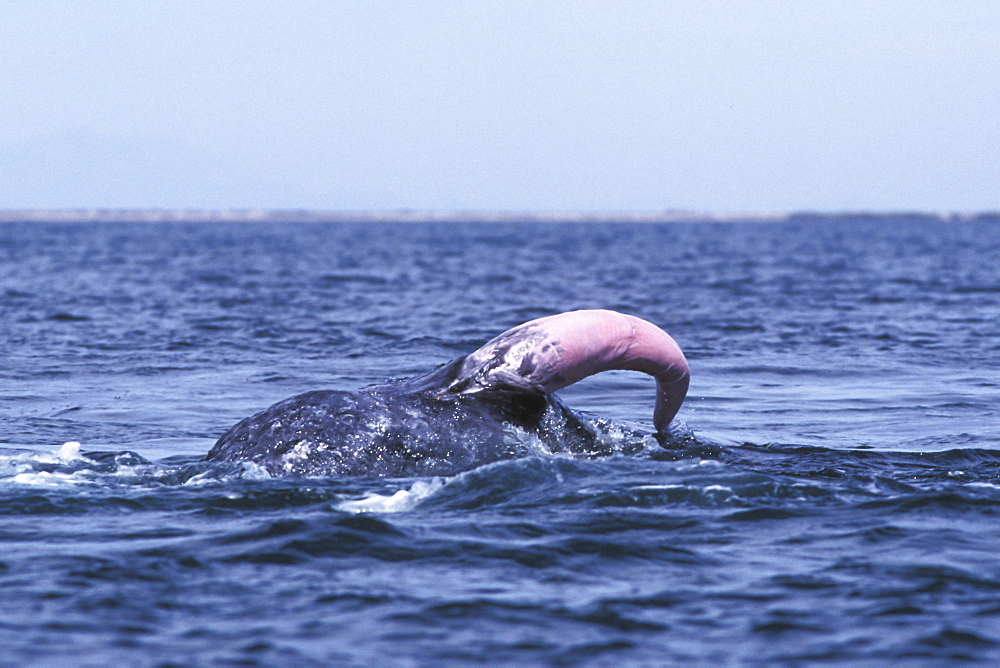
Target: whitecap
46, 479
985, 485
21, 467
68, 452
247, 471
400, 501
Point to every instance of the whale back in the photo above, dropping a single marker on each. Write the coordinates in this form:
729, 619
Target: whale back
392, 430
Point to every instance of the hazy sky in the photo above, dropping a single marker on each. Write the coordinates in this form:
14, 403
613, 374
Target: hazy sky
706, 106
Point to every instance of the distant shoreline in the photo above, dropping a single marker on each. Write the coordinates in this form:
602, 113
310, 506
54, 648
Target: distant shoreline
408, 216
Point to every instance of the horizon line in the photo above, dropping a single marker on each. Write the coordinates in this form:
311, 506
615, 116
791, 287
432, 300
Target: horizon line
259, 214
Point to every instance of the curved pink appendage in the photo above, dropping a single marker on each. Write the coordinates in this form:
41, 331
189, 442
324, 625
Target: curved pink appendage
554, 352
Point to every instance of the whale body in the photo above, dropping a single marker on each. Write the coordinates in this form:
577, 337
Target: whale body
495, 403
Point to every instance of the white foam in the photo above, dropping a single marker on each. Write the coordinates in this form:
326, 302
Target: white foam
46, 479
68, 452
20, 467
248, 471
403, 500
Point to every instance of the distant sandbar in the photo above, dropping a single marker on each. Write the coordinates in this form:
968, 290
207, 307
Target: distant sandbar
414, 216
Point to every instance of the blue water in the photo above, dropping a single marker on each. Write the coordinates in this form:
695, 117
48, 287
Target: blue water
835, 498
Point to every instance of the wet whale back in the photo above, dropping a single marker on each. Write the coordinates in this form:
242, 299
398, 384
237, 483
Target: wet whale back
389, 431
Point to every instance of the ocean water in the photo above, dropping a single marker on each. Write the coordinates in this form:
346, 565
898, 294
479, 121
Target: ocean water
835, 499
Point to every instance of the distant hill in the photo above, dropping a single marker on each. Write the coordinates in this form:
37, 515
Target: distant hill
412, 216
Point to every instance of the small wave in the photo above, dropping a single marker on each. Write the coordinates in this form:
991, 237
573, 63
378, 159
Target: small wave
69, 465
46, 479
696, 476
67, 453
243, 471
404, 499
46, 469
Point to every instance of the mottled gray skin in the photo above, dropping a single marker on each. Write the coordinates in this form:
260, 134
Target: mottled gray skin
493, 404
401, 430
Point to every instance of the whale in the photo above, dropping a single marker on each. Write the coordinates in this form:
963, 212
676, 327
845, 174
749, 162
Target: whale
495, 403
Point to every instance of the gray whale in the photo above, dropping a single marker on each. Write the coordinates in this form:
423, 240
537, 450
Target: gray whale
496, 403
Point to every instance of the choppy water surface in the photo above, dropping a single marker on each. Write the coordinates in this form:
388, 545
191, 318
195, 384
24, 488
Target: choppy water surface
836, 498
